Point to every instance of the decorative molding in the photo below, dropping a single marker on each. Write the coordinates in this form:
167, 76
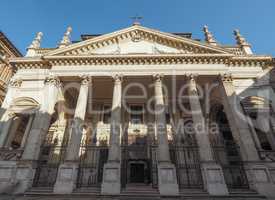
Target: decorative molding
15, 83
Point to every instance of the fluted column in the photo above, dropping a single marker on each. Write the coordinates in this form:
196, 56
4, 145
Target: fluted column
167, 176
111, 184
79, 117
205, 150
237, 120
212, 172
67, 173
160, 119
114, 151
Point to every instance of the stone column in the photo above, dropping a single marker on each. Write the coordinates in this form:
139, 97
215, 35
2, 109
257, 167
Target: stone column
167, 177
258, 174
237, 120
212, 172
111, 176
39, 129
67, 173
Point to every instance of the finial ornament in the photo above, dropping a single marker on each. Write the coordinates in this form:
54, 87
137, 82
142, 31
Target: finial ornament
31, 51
209, 38
136, 20
66, 40
37, 41
240, 39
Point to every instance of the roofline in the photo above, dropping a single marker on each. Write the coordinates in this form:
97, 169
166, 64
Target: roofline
10, 45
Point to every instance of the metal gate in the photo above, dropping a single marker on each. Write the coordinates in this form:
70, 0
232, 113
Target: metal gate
47, 166
187, 161
91, 164
227, 154
229, 158
144, 153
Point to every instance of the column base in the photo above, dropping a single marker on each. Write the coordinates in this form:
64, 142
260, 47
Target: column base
23, 180
167, 179
111, 179
66, 178
213, 179
8, 180
261, 180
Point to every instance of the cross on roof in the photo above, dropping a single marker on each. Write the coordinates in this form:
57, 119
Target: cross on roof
136, 19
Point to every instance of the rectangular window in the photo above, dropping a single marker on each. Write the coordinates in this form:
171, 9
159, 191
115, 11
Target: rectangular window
136, 115
106, 114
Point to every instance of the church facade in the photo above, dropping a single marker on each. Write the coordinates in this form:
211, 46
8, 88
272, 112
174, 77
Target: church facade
139, 112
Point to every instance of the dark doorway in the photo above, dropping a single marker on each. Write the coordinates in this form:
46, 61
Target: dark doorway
137, 173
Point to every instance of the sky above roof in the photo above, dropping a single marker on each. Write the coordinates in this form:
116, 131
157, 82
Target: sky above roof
20, 20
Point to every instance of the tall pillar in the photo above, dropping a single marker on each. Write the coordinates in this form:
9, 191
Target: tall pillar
212, 172
167, 177
258, 174
39, 129
111, 176
67, 173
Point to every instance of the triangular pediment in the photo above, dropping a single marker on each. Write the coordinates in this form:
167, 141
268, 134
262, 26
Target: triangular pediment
137, 40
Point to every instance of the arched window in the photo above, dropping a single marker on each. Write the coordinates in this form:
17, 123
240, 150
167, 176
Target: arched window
23, 109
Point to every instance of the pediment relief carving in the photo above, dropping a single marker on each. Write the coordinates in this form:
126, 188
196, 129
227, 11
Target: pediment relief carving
137, 40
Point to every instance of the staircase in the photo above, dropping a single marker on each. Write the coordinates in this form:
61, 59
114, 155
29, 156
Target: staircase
132, 191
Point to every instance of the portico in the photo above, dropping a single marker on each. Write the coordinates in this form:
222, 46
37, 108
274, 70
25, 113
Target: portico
133, 107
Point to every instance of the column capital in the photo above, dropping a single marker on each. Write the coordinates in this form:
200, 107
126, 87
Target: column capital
192, 77
227, 77
117, 78
85, 80
15, 82
158, 77
54, 80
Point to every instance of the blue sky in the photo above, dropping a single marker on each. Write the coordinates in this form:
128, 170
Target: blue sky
20, 20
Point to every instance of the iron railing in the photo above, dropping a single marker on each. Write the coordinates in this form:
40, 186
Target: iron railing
187, 162
47, 166
227, 154
91, 164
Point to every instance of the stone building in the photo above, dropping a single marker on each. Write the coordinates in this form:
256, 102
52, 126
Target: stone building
7, 51
139, 113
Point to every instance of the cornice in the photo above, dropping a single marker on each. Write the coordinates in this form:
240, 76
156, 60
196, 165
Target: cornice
167, 59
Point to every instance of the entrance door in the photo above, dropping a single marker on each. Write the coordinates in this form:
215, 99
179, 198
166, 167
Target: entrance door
137, 173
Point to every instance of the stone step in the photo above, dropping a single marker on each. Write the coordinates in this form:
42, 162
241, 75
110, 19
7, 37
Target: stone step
139, 189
